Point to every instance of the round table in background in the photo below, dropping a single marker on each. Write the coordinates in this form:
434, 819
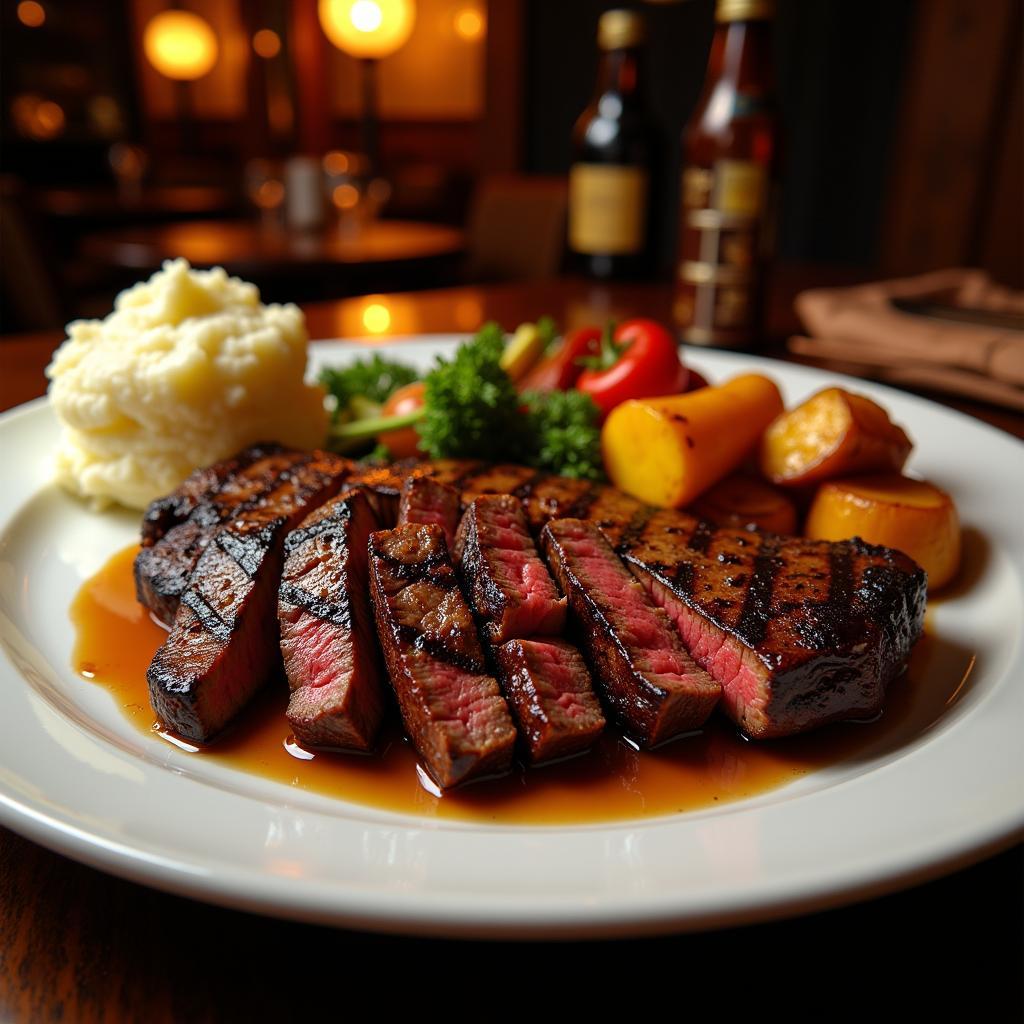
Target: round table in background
380, 255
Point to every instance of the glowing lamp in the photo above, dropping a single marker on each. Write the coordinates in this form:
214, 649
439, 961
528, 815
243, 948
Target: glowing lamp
180, 45
367, 28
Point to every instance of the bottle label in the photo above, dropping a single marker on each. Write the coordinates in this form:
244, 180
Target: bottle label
733, 186
607, 207
722, 212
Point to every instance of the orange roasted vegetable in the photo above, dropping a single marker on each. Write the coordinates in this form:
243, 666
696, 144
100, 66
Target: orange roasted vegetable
667, 451
834, 433
740, 501
913, 516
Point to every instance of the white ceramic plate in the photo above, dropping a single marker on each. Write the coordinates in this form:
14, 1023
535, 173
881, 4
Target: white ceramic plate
77, 777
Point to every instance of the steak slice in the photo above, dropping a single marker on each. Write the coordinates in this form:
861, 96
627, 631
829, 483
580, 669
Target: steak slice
798, 632
223, 645
549, 690
646, 675
509, 587
453, 710
425, 500
327, 636
165, 513
162, 571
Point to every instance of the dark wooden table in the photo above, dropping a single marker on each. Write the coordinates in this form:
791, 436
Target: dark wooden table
239, 246
76, 944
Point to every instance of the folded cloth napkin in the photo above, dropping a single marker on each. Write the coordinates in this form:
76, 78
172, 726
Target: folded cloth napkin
951, 330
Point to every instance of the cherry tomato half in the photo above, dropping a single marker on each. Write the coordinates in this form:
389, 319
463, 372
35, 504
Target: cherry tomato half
648, 365
403, 443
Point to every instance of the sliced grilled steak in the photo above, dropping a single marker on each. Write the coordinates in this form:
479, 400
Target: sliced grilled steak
798, 632
163, 570
767, 605
549, 690
452, 709
327, 636
425, 500
508, 585
167, 512
646, 675
223, 645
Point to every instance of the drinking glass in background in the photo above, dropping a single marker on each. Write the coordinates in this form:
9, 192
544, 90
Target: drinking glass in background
265, 189
129, 164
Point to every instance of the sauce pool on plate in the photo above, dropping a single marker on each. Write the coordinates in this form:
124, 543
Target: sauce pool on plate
116, 638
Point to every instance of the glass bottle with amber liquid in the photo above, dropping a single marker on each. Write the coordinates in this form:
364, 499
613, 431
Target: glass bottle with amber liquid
613, 142
729, 156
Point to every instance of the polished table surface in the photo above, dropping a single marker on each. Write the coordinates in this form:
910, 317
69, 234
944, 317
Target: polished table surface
241, 245
76, 944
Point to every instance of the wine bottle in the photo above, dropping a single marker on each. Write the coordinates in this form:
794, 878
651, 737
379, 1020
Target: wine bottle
609, 181
729, 156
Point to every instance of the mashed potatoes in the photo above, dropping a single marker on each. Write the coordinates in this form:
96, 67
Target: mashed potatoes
189, 368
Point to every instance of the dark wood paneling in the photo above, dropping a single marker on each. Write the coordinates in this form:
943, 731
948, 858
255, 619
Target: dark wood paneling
502, 127
954, 101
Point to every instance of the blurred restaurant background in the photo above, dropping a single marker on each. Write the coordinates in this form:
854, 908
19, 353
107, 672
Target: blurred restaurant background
434, 148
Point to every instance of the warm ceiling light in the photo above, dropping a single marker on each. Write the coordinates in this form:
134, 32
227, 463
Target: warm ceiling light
469, 23
266, 43
180, 44
367, 28
31, 14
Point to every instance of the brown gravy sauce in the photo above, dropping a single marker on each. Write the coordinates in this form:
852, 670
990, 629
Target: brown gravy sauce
116, 640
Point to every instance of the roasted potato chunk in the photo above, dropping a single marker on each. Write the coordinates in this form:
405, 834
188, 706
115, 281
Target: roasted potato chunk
834, 433
740, 501
913, 516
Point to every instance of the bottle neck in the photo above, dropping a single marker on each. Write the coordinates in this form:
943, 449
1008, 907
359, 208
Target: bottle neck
741, 58
618, 71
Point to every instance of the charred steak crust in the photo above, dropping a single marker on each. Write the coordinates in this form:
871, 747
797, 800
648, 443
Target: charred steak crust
165, 513
549, 690
809, 632
508, 586
452, 709
799, 632
328, 642
163, 570
223, 645
645, 673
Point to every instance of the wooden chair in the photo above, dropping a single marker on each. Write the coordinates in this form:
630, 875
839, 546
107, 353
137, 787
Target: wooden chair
516, 228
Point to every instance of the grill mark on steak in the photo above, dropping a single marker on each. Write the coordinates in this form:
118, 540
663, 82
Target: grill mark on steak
752, 623
453, 711
645, 674
162, 571
223, 643
165, 513
328, 642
